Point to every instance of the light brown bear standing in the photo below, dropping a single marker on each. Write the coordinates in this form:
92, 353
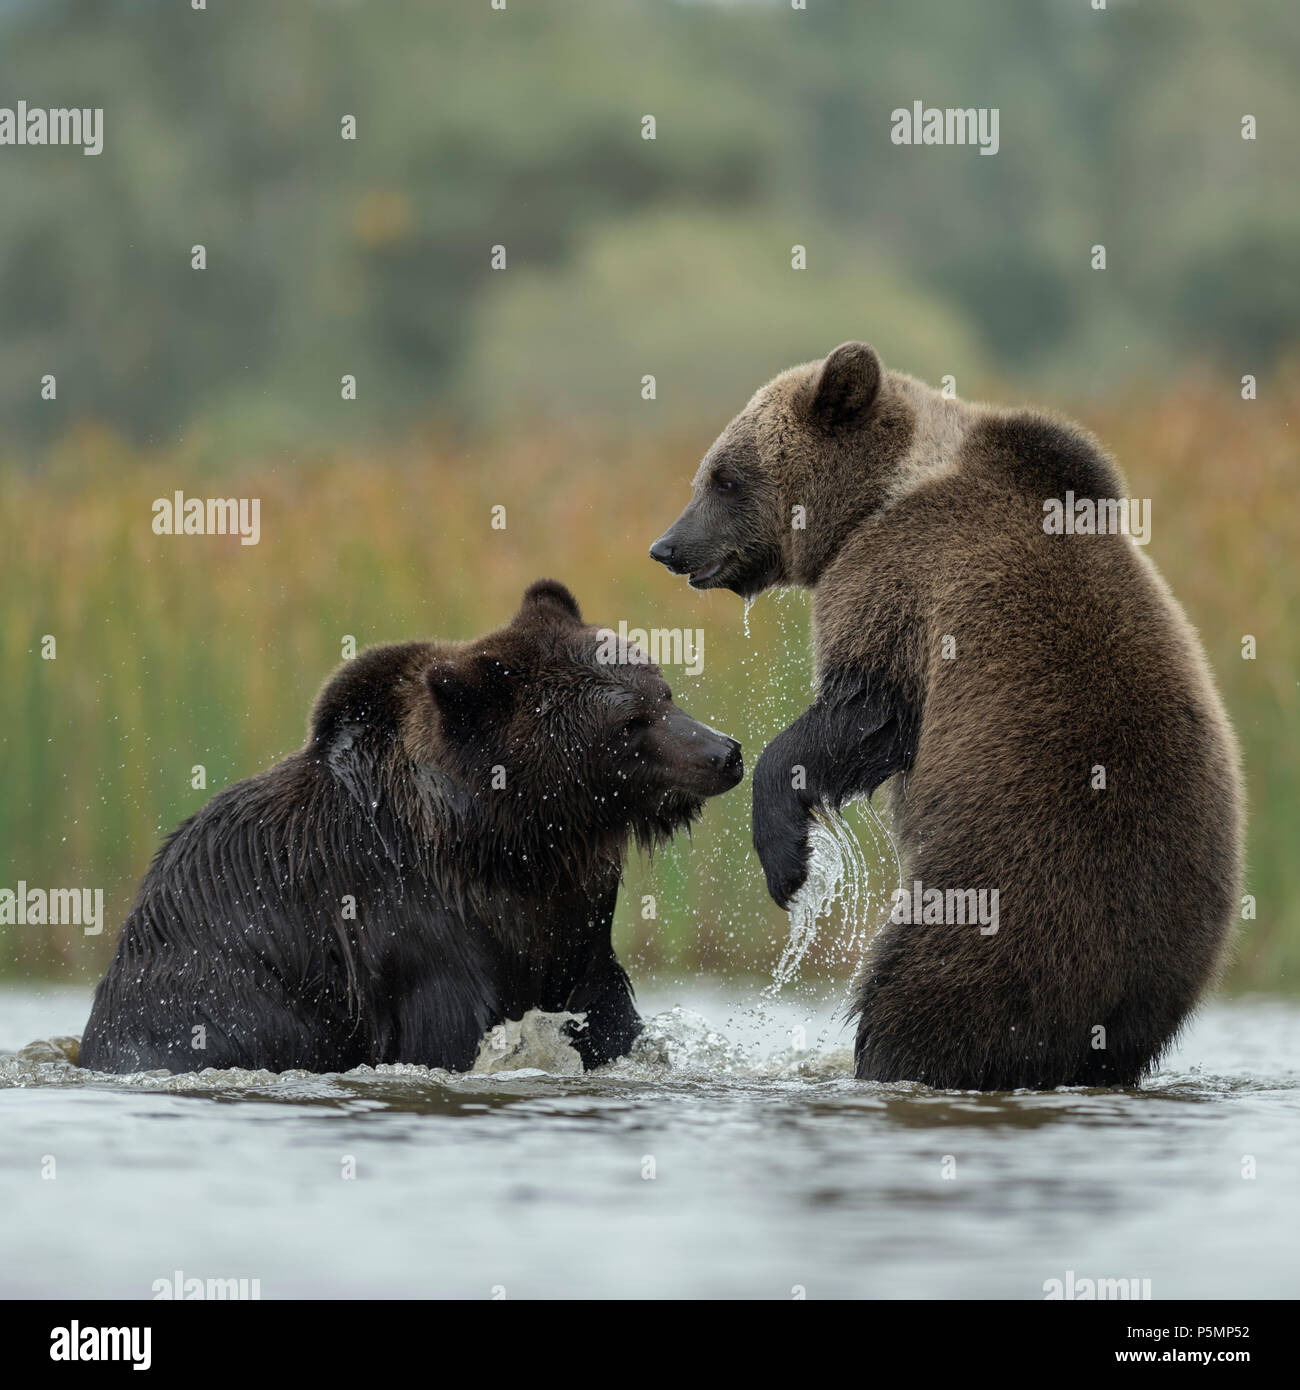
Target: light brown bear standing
1039, 698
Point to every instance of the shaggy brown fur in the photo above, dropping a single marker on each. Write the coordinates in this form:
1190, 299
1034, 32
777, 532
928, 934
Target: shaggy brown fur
473, 802
925, 521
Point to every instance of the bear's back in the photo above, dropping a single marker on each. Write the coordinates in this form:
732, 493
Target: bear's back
1072, 749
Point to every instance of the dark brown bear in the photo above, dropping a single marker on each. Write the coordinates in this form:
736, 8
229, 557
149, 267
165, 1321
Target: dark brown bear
1039, 698
443, 854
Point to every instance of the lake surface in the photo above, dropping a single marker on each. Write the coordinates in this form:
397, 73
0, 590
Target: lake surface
732, 1156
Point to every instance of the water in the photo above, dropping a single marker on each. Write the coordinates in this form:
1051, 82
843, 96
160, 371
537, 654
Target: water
771, 1168
839, 878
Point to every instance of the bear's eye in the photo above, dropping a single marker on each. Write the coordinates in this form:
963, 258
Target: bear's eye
633, 727
722, 483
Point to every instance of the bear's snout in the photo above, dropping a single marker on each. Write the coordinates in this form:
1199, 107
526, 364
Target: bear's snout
690, 547
700, 759
722, 766
729, 762
663, 550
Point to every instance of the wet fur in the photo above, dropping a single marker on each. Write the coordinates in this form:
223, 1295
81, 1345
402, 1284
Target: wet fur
1116, 906
473, 904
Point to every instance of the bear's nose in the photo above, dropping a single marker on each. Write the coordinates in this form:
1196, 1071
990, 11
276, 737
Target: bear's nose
729, 760
662, 551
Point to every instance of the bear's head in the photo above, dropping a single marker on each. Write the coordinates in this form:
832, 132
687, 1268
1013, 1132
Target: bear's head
812, 454
543, 737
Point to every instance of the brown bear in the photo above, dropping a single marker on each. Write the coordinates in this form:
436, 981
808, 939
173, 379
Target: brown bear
442, 855
1036, 693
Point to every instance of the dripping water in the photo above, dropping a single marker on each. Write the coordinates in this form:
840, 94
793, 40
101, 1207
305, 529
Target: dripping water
841, 881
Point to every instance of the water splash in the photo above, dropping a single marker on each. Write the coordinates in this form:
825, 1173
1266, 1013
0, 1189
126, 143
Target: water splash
537, 1042
839, 876
683, 1040
749, 603
674, 1046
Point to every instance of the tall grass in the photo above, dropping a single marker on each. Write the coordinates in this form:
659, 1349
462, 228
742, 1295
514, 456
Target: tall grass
174, 652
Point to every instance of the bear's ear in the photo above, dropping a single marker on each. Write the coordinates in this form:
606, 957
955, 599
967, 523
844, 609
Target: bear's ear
470, 689
846, 386
551, 595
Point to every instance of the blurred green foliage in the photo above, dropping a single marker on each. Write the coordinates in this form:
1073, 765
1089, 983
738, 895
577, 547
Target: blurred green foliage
174, 652
522, 128
625, 258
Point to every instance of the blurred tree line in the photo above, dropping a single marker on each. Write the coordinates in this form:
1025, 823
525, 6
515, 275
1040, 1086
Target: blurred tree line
625, 256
